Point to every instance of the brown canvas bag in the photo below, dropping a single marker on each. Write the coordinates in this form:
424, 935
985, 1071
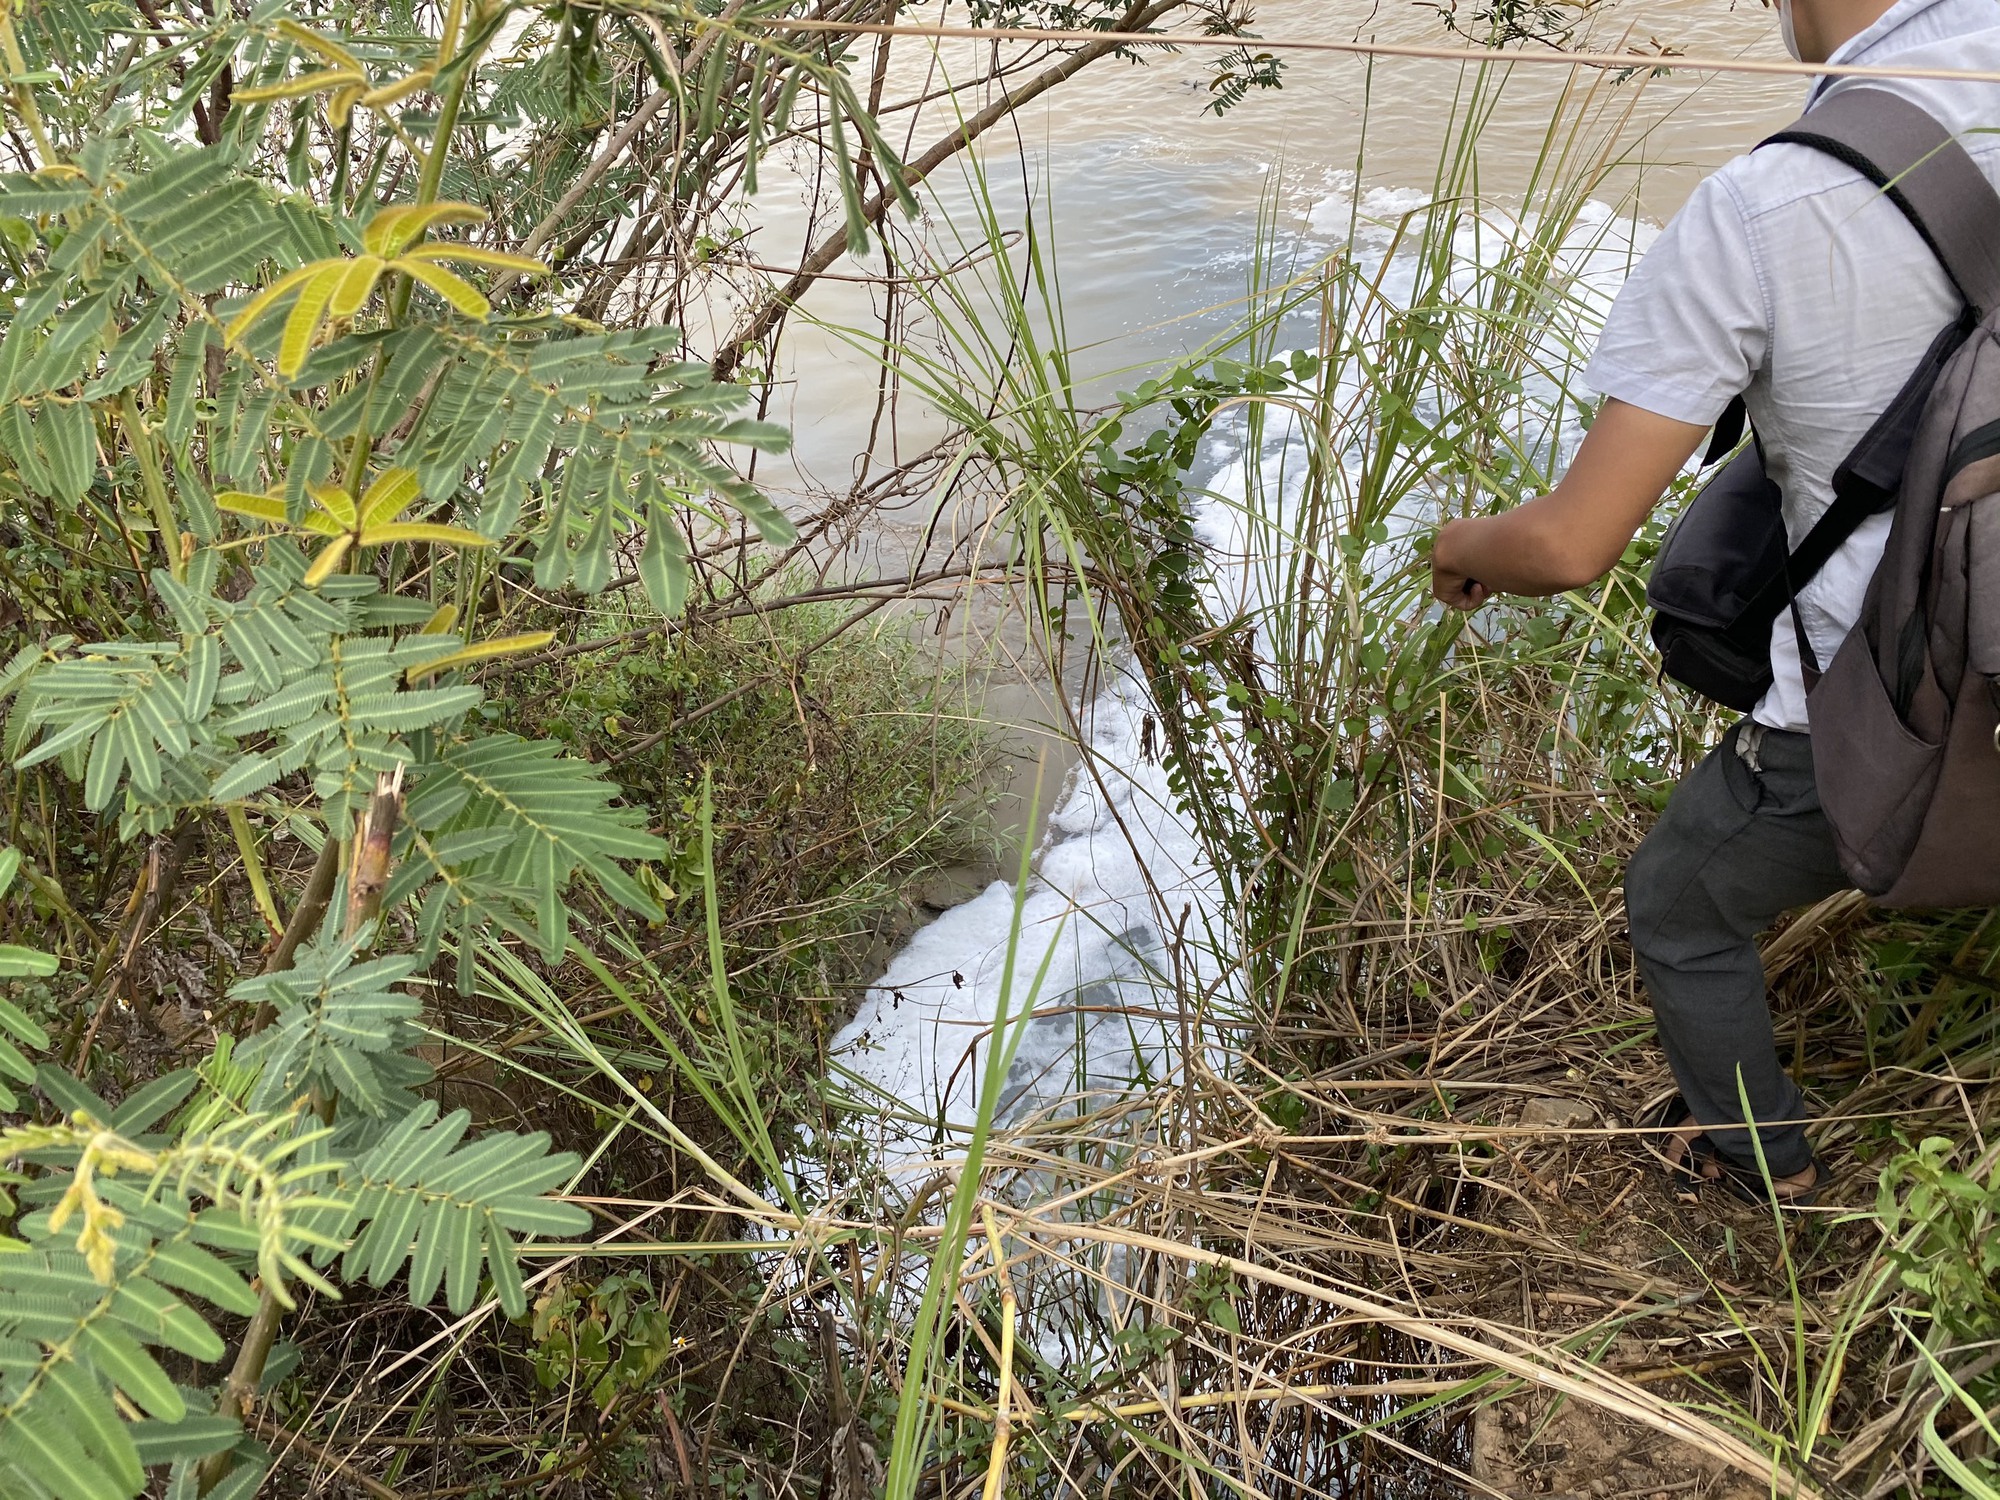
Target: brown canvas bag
1906, 718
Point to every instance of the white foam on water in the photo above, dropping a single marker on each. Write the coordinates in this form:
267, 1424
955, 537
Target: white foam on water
1120, 875
1090, 958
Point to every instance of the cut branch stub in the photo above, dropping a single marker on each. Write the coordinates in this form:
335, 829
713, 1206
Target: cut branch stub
368, 869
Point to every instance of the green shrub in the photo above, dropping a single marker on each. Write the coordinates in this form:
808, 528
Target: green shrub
1942, 1223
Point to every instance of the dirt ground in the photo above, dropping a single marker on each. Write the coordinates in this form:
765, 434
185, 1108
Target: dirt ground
1536, 1445
1631, 1241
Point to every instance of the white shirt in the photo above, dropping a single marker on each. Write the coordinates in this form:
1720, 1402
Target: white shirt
1789, 278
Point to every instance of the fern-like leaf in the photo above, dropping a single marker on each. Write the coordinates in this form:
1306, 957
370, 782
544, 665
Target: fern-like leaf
446, 1209
336, 1020
541, 817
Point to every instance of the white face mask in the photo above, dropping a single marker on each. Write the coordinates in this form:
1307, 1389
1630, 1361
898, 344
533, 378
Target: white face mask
1785, 28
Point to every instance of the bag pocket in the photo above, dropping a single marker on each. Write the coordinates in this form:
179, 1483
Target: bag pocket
1956, 861
1713, 662
1875, 774
1712, 582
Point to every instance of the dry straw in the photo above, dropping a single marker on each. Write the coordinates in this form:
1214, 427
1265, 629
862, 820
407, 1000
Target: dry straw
1621, 61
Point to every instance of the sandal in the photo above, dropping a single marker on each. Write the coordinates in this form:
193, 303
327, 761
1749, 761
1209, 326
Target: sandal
1684, 1175
1746, 1184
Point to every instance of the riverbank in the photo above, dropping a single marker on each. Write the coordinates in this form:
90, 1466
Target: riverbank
465, 827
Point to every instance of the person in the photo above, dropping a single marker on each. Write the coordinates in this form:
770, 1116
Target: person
1790, 280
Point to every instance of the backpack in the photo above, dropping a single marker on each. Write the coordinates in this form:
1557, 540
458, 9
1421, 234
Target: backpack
1906, 718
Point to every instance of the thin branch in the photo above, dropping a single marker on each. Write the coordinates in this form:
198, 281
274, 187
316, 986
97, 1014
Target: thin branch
822, 257
1131, 35
616, 146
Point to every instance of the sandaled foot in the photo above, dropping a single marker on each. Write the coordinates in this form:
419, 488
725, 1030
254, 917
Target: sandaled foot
1796, 1190
1692, 1160
1687, 1153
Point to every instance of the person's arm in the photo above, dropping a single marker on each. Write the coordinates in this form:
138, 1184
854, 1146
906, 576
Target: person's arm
1573, 535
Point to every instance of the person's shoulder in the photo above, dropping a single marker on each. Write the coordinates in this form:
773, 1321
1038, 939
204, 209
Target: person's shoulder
1771, 178
1774, 177
1970, 110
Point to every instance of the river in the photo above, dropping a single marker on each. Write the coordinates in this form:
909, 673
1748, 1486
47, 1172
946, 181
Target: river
1151, 201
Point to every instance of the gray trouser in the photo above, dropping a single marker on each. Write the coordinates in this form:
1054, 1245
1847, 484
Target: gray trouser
1742, 842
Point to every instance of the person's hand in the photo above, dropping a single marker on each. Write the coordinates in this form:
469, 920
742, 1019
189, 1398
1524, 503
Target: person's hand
1450, 584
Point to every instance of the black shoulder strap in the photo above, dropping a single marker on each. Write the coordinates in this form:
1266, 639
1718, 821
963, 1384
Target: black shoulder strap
1727, 432
1865, 484
1920, 168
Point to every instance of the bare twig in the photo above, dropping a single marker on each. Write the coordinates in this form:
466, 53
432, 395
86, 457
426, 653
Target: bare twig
822, 256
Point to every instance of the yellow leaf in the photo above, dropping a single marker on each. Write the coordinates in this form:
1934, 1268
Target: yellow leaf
459, 292
260, 304
479, 255
441, 622
258, 507
422, 531
389, 93
328, 562
394, 229
388, 496
67, 1205
307, 314
505, 645
312, 41
337, 506
305, 83
355, 286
